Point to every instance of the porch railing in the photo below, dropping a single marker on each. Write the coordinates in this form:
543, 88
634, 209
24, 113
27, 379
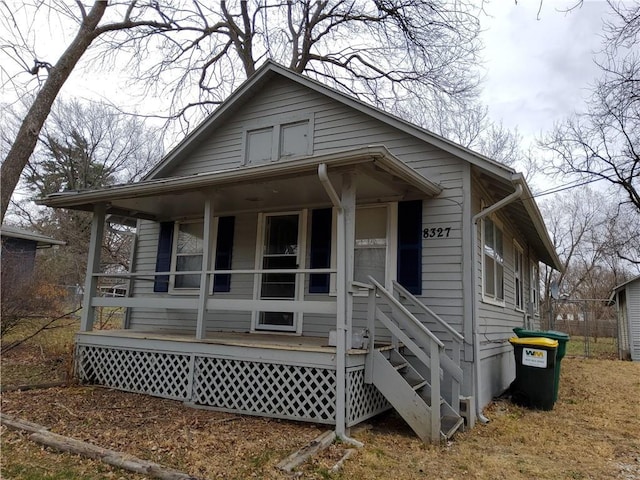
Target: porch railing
415, 336
192, 300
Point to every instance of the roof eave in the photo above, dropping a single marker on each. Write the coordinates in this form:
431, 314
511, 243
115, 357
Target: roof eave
375, 153
538, 222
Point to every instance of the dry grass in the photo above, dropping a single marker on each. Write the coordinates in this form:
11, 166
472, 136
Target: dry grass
593, 433
601, 347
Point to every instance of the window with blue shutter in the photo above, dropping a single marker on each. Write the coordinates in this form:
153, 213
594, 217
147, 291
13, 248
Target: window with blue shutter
410, 246
320, 249
163, 258
224, 250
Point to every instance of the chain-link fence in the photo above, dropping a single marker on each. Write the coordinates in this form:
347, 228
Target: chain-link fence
591, 323
106, 317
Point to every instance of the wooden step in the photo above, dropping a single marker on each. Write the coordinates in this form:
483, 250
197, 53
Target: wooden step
450, 425
398, 364
416, 383
427, 398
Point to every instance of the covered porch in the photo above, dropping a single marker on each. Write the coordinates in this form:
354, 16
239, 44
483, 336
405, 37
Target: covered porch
292, 368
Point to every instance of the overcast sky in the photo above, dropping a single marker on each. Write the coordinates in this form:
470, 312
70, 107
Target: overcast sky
539, 70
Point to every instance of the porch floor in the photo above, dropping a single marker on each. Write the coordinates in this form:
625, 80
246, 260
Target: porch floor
239, 339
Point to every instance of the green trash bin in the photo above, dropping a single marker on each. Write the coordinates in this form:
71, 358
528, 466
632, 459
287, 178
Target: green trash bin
535, 372
562, 339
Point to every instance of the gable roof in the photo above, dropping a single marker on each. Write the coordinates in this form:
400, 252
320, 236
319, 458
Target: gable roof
271, 69
524, 212
503, 179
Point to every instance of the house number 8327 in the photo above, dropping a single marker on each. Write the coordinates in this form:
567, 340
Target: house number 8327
439, 232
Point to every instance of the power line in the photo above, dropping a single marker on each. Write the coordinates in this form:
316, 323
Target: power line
567, 186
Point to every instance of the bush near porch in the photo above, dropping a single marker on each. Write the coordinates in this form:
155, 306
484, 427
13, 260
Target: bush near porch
591, 433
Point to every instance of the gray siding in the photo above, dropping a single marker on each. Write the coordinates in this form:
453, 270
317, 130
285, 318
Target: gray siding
336, 127
496, 322
633, 316
241, 284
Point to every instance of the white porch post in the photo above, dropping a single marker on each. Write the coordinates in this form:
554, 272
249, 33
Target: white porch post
345, 243
93, 267
201, 327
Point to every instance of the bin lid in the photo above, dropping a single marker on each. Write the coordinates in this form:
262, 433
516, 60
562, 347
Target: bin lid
554, 334
534, 342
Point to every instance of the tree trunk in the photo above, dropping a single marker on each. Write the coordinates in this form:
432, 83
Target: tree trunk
43, 436
27, 137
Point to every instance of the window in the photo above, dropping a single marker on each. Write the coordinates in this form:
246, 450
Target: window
535, 289
180, 247
493, 261
518, 276
188, 254
286, 138
371, 244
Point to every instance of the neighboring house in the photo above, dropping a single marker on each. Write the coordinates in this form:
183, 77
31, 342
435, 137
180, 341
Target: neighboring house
303, 255
627, 299
19, 252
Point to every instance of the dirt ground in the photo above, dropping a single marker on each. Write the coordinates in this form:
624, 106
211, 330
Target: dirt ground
592, 433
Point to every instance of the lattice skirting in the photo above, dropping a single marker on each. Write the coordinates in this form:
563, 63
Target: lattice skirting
269, 389
363, 400
160, 374
275, 390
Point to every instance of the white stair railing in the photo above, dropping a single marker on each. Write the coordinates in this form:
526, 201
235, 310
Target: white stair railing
452, 368
414, 336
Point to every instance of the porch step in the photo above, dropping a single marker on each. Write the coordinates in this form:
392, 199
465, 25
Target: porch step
449, 425
409, 393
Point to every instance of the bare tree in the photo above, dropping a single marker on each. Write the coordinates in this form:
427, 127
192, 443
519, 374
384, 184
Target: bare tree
380, 50
603, 143
89, 28
588, 230
83, 146
467, 123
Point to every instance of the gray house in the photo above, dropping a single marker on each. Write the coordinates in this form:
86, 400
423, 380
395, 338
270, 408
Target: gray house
303, 255
627, 299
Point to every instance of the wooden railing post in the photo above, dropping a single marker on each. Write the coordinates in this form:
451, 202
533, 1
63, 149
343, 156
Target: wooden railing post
455, 384
434, 367
371, 330
451, 365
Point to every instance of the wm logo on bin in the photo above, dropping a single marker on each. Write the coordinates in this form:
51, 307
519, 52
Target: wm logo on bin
534, 353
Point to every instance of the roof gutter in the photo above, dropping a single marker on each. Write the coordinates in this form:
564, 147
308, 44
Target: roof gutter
518, 180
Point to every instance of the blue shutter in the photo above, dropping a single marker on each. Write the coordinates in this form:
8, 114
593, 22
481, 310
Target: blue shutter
320, 249
224, 250
410, 246
163, 258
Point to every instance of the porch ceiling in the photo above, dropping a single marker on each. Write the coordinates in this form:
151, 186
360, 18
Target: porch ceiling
280, 185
